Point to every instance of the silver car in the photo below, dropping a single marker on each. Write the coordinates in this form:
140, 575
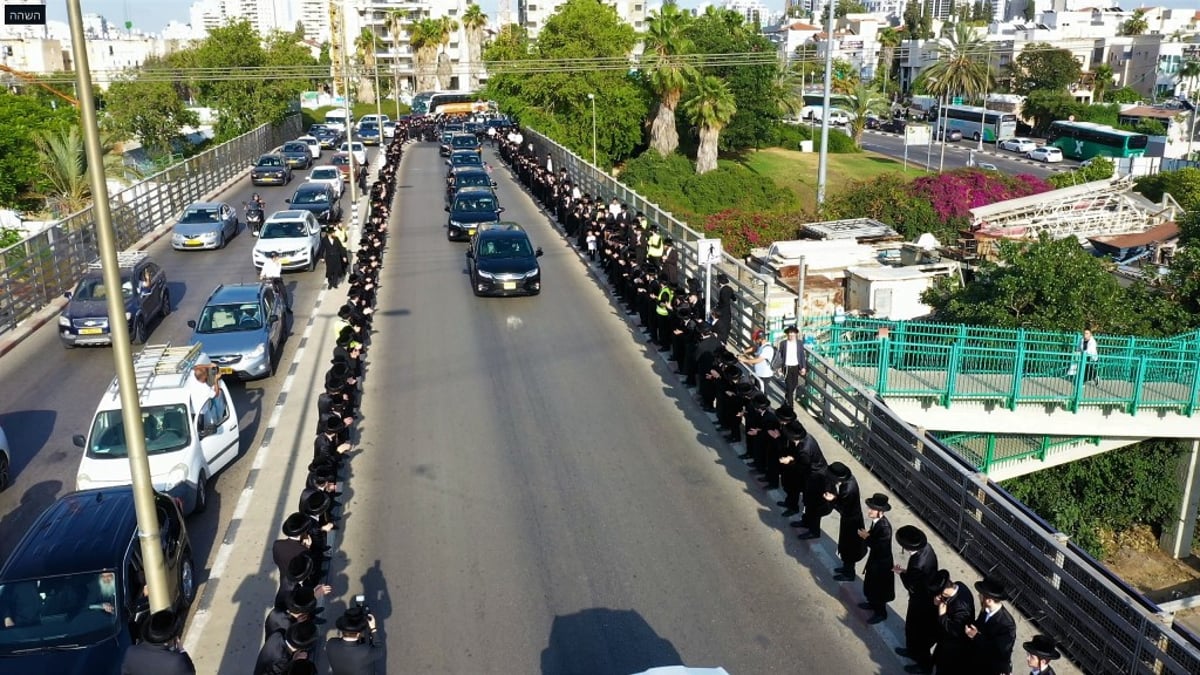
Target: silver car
5, 460
242, 329
205, 225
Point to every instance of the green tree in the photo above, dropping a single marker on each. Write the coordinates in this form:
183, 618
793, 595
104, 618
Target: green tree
447, 26
844, 7
862, 101
424, 37
959, 70
1101, 168
1040, 66
887, 198
1124, 95
1102, 79
474, 21
1137, 24
64, 171
364, 53
667, 73
912, 21
147, 110
710, 108
23, 118
1029, 11
1190, 73
889, 41
1183, 185
1045, 106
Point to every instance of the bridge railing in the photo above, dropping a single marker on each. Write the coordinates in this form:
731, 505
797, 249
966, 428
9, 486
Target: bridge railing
40, 268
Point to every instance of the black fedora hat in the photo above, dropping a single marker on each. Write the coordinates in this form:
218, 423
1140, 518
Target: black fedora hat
315, 503
302, 601
795, 430
301, 667
161, 628
333, 424
839, 471
746, 388
301, 635
760, 400
940, 580
338, 372
354, 620
300, 568
1042, 647
911, 538
992, 588
785, 414
792, 329
296, 525
878, 502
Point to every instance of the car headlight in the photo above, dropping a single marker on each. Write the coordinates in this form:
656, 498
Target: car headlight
178, 475
532, 273
258, 351
455, 223
485, 275
83, 482
128, 315
64, 320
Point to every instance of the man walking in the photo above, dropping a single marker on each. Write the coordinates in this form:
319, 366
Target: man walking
794, 362
879, 586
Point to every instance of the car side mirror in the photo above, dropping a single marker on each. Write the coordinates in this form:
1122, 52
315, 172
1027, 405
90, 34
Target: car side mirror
288, 200
470, 254
500, 210
494, 184
67, 295
447, 209
79, 440
537, 253
204, 427
191, 323
273, 318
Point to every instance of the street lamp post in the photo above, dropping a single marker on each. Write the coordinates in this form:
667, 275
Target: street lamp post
592, 98
346, 102
823, 158
987, 84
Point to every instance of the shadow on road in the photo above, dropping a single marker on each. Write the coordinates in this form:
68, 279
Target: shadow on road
601, 641
28, 431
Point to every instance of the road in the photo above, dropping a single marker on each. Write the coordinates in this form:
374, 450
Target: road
531, 496
958, 154
50, 393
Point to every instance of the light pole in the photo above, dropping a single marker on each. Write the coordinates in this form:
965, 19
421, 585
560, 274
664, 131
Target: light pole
346, 102
131, 410
987, 82
823, 158
375, 60
592, 98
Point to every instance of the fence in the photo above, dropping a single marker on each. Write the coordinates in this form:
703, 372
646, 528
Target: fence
1100, 622
41, 268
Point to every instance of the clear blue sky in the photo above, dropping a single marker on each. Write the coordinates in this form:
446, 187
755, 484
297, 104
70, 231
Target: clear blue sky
152, 15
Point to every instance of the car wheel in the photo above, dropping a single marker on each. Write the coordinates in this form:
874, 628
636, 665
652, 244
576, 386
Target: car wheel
187, 580
4, 469
975, 137
201, 495
312, 262
271, 360
223, 240
166, 304
138, 334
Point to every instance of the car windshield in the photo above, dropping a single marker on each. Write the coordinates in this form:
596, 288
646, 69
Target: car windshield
92, 288
286, 229
61, 612
509, 247
231, 318
341, 159
368, 126
207, 215
310, 197
465, 141
467, 159
447, 136
473, 180
325, 174
269, 161
295, 147
166, 428
474, 205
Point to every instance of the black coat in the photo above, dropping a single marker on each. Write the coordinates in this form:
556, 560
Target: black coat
148, 659
920, 621
848, 503
352, 658
278, 620
953, 654
992, 646
274, 657
879, 582
335, 256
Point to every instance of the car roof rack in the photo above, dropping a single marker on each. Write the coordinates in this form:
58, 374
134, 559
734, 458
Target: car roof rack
161, 360
125, 260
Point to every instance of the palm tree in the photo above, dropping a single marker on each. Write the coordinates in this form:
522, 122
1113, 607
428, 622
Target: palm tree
446, 29
64, 169
862, 101
393, 22
889, 39
1137, 24
1189, 73
1102, 79
787, 90
711, 107
474, 21
958, 70
666, 41
424, 36
364, 53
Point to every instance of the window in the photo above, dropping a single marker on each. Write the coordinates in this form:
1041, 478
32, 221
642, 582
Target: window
215, 412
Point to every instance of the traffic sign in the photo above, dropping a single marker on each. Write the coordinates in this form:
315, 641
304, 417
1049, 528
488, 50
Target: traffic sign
708, 251
916, 134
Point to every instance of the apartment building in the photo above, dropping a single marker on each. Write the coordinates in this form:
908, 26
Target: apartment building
533, 14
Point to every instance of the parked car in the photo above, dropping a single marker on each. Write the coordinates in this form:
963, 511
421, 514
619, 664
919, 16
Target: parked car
873, 122
342, 161
271, 169
950, 134
357, 149
389, 130
295, 235
1047, 153
318, 199
314, 145
471, 206
502, 261
85, 320
1017, 144
330, 175
5, 461
51, 584
242, 329
296, 154
894, 125
205, 225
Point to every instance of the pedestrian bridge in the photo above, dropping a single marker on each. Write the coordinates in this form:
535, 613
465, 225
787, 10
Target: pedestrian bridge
1013, 400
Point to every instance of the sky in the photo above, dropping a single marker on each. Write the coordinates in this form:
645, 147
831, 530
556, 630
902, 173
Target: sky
151, 16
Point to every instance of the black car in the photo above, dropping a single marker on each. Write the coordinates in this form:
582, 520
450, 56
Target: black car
465, 142
296, 154
502, 261
471, 206
271, 169
144, 291
461, 158
72, 592
320, 199
444, 146
329, 137
467, 177
894, 125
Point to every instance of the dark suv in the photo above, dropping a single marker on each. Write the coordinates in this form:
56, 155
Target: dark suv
502, 261
72, 593
467, 178
465, 142
84, 321
320, 199
471, 206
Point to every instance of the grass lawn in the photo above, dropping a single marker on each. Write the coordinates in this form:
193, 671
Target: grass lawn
797, 171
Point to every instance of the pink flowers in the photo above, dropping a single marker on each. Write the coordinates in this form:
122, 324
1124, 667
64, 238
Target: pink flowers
953, 194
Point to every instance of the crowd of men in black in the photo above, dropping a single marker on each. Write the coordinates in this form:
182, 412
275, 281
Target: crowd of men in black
943, 631
290, 633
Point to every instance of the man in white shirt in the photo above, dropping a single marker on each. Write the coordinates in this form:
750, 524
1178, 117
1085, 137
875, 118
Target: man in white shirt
272, 271
794, 362
760, 359
1090, 355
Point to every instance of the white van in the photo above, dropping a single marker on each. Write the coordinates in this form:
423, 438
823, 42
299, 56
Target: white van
190, 436
336, 119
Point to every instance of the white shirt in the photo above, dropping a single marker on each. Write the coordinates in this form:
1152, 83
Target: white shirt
766, 353
791, 352
576, 193
271, 269
1089, 348
614, 208
199, 392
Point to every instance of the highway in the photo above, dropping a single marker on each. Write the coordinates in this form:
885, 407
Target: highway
50, 393
958, 154
534, 493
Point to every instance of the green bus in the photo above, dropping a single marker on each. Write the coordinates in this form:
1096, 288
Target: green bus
1085, 140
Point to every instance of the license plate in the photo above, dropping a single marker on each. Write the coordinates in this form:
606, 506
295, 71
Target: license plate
194, 242
285, 261
226, 371
510, 285
91, 331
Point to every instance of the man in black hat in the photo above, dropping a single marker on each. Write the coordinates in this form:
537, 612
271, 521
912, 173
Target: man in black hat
816, 506
845, 497
295, 542
703, 358
792, 361
994, 632
303, 571
802, 458
724, 308
281, 648
759, 406
955, 609
159, 652
354, 652
780, 470
670, 261
329, 442
879, 586
1039, 652
920, 620
301, 606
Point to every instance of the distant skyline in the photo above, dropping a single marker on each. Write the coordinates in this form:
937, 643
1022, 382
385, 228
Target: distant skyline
151, 16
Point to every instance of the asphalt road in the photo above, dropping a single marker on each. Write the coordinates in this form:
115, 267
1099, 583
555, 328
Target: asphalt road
533, 494
50, 393
958, 153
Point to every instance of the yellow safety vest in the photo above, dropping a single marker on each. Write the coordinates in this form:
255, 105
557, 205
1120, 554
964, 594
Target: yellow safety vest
654, 246
664, 303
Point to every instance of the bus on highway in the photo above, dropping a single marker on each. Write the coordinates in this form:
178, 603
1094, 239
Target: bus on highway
1084, 140
459, 103
974, 122
420, 102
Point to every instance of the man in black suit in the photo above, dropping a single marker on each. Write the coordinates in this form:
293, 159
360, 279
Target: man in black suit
354, 652
282, 648
920, 622
159, 652
846, 498
955, 609
1039, 652
994, 632
879, 586
301, 607
792, 361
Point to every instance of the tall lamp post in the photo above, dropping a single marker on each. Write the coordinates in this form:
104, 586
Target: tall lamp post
592, 98
823, 158
375, 60
346, 102
987, 84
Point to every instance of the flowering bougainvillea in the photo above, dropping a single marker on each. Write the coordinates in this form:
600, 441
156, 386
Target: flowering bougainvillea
741, 231
954, 193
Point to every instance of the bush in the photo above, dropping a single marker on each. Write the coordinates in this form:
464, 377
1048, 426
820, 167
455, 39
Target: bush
954, 193
1183, 185
887, 198
672, 182
741, 231
789, 136
1101, 168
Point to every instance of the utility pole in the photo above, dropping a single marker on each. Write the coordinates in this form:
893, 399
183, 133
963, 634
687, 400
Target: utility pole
131, 409
823, 158
346, 106
987, 84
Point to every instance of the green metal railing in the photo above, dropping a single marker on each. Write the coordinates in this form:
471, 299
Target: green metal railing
987, 451
953, 362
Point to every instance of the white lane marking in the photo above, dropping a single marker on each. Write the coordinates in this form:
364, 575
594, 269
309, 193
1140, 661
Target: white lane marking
514, 323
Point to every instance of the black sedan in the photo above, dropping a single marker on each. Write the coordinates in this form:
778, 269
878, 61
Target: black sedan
320, 199
502, 261
271, 169
296, 154
330, 138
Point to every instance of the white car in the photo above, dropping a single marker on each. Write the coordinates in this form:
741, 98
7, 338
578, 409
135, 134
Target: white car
389, 129
358, 150
1046, 153
377, 120
1021, 145
314, 145
5, 461
294, 234
987, 166
328, 174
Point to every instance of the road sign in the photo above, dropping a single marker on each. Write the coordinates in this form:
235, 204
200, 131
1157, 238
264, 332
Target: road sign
956, 101
708, 251
916, 134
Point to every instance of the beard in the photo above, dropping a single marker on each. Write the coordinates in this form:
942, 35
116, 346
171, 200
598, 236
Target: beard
108, 589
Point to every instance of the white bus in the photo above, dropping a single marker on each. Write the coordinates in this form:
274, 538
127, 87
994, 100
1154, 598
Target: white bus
975, 123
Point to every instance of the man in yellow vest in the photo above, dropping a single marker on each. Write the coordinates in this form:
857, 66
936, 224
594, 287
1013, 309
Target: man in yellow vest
654, 249
662, 322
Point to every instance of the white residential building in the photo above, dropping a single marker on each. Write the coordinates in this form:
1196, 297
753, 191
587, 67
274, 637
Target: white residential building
533, 14
753, 11
264, 15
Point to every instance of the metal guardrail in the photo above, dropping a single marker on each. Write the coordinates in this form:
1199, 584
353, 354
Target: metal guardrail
40, 268
1100, 622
